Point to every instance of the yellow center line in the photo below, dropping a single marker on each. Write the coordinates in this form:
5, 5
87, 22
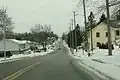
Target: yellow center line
20, 72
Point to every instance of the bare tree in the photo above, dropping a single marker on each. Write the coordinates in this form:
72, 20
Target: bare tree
99, 7
41, 33
114, 5
5, 22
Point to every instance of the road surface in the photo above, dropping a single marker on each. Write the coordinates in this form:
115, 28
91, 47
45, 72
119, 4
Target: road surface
54, 66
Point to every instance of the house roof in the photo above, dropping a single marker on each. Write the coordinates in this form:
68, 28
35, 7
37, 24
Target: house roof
17, 41
113, 24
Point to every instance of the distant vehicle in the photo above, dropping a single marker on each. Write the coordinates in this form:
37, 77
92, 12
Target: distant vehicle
8, 54
59, 48
37, 51
44, 49
33, 48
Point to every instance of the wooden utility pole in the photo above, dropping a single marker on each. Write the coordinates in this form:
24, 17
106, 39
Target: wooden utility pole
70, 36
109, 29
85, 22
75, 31
4, 36
72, 33
91, 18
4, 42
91, 35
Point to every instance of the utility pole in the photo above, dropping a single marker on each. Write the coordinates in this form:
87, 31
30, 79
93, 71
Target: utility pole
4, 42
91, 36
85, 21
4, 36
72, 34
109, 29
75, 31
91, 18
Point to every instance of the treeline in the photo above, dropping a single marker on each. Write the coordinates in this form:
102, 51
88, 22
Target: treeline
39, 33
74, 37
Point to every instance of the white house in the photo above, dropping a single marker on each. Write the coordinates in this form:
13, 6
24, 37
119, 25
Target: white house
14, 45
100, 34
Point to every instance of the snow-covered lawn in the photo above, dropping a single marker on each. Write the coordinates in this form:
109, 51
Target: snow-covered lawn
107, 70
107, 67
22, 56
103, 57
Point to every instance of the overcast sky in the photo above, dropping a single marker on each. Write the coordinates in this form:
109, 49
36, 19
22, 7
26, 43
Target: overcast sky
27, 13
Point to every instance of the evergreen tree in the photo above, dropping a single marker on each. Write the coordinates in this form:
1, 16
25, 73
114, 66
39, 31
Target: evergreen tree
102, 18
79, 36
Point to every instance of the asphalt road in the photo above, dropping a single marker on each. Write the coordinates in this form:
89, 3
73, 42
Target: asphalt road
54, 66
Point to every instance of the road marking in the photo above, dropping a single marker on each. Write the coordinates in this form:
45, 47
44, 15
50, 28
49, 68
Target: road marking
20, 72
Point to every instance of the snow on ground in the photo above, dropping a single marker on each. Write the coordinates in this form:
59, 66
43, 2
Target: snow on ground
22, 56
102, 56
107, 67
107, 70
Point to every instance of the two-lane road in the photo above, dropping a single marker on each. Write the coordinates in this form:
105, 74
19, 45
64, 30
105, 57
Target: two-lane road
54, 66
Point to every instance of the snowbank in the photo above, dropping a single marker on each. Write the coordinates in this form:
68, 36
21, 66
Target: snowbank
100, 64
110, 72
23, 56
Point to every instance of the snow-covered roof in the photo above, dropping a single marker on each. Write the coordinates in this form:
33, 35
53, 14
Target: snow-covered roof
18, 41
29, 42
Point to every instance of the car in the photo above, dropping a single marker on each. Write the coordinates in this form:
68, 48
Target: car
44, 49
37, 51
8, 54
59, 48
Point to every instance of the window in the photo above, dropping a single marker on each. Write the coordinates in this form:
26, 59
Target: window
97, 34
117, 33
106, 34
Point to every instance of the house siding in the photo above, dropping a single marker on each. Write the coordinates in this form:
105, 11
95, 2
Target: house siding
14, 47
10, 46
102, 29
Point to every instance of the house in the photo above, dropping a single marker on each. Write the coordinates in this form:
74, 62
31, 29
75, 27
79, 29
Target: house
100, 34
14, 46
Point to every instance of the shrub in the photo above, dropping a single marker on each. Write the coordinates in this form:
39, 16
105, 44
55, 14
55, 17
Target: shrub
105, 46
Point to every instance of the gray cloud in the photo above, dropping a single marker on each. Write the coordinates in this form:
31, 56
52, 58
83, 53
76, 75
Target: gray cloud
27, 13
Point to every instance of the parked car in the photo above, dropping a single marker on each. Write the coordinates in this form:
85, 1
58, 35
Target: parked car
44, 49
8, 54
33, 48
37, 51
59, 48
